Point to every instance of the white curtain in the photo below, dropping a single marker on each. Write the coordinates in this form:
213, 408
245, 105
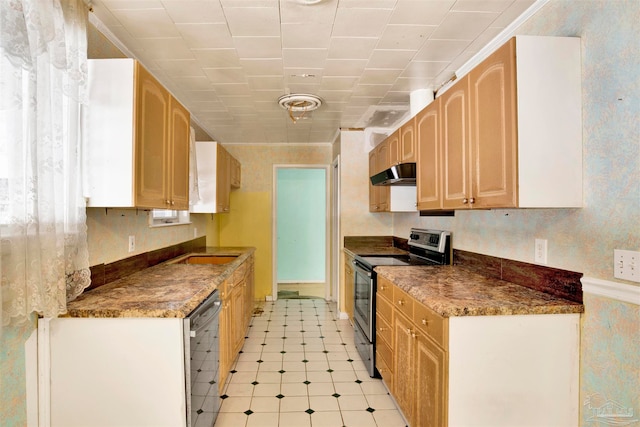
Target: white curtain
43, 243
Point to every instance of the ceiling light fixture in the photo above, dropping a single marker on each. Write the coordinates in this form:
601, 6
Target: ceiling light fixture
300, 104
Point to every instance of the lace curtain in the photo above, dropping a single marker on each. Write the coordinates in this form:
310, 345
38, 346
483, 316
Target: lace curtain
43, 242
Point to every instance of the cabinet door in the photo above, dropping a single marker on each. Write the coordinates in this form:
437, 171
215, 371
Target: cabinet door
373, 192
393, 147
493, 130
223, 186
237, 317
430, 381
225, 321
348, 286
407, 152
427, 133
382, 152
151, 141
179, 156
404, 376
236, 172
454, 107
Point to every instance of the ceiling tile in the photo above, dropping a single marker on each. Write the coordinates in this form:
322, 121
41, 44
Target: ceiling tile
253, 22
207, 106
201, 95
301, 75
410, 37
463, 25
198, 11
344, 67
192, 83
225, 75
267, 95
441, 50
258, 47
409, 84
393, 59
496, 6
338, 83
516, 9
146, 22
211, 36
232, 89
217, 58
184, 68
420, 12
292, 12
266, 83
351, 47
128, 4
304, 58
373, 4
335, 95
163, 48
304, 35
371, 90
262, 67
360, 22
302, 88
424, 69
379, 76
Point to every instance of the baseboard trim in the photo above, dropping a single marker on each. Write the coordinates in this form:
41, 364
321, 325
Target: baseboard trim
614, 290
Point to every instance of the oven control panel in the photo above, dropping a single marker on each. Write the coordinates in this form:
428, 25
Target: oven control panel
434, 240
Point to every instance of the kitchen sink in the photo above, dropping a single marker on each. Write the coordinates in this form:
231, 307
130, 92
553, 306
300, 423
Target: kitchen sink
205, 259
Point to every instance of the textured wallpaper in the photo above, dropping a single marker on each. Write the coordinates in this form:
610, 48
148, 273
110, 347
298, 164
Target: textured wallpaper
583, 239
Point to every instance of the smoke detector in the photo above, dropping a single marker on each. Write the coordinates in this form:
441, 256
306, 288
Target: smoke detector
300, 104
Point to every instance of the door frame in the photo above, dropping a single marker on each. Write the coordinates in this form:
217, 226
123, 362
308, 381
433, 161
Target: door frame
274, 226
336, 248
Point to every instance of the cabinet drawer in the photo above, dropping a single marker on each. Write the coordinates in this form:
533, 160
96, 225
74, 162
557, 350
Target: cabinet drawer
403, 302
430, 323
384, 309
384, 331
384, 369
385, 288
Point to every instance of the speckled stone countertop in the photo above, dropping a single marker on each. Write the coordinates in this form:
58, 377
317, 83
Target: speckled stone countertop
455, 291
164, 290
374, 245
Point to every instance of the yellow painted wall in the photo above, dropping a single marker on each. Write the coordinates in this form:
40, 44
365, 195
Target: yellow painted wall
249, 224
213, 229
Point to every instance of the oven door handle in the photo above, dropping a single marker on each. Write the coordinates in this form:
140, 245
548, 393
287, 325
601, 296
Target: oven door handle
361, 269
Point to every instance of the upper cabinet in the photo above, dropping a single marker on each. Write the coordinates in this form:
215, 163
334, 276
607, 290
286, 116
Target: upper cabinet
379, 161
218, 171
509, 133
407, 152
137, 139
427, 132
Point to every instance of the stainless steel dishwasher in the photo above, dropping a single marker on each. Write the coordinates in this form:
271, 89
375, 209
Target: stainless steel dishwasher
202, 359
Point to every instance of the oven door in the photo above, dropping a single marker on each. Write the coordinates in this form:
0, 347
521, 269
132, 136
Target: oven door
364, 294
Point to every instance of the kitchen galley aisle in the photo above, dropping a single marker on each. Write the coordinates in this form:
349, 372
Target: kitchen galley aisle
299, 367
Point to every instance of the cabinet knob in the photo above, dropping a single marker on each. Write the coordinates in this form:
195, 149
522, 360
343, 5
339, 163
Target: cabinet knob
168, 202
173, 203
381, 329
383, 287
472, 200
400, 302
424, 322
465, 201
413, 335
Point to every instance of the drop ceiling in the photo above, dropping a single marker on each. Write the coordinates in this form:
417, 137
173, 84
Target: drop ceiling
229, 61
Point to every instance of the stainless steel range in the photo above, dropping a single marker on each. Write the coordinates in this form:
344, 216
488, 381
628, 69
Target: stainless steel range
426, 247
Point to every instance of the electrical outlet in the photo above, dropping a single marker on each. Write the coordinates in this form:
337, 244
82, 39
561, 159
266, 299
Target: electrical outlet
541, 251
132, 243
626, 265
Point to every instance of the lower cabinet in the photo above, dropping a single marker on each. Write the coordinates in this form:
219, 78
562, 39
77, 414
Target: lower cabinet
348, 285
237, 299
497, 371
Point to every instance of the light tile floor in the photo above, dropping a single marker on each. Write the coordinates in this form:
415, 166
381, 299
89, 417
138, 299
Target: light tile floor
298, 368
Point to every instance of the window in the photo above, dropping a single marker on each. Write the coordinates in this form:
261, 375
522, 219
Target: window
165, 217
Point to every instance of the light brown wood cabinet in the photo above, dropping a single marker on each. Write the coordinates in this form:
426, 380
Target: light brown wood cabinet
505, 142
217, 169
411, 363
444, 371
379, 161
138, 138
407, 149
428, 174
348, 285
236, 296
236, 173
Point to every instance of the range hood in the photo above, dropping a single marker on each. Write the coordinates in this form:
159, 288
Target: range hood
402, 174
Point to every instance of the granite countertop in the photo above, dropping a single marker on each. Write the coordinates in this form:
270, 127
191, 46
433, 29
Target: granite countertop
455, 291
375, 245
164, 290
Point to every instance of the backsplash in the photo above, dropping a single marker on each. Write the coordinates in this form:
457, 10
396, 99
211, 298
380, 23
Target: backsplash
109, 230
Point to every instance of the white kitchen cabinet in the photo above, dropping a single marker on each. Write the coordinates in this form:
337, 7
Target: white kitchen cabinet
116, 371
214, 178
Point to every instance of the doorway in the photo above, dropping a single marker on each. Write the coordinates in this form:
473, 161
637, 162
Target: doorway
300, 239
